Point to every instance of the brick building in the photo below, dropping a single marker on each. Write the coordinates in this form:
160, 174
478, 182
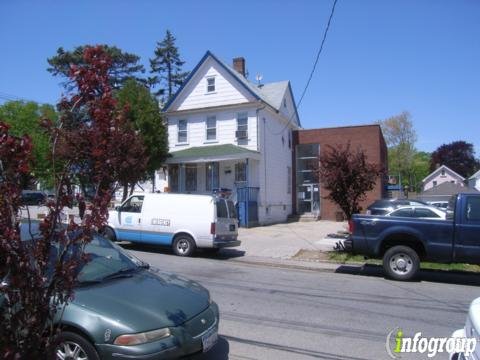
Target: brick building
308, 197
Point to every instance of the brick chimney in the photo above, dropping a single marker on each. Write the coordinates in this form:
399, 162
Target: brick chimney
239, 65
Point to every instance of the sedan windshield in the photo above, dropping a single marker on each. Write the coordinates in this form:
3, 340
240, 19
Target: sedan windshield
106, 261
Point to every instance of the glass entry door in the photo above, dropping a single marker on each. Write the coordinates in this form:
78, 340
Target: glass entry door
308, 199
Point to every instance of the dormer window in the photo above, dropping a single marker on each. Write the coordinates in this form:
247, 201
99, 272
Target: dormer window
210, 84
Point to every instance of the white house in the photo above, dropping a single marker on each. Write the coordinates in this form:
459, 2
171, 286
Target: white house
474, 181
441, 175
226, 132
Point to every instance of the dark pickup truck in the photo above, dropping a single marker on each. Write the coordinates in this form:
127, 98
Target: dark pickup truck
403, 242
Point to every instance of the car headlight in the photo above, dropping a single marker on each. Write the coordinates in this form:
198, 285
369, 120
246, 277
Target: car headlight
142, 338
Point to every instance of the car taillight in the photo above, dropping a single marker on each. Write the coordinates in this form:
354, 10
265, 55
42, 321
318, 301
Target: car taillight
351, 226
212, 228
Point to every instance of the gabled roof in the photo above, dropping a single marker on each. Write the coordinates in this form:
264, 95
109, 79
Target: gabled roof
438, 171
447, 188
475, 176
271, 94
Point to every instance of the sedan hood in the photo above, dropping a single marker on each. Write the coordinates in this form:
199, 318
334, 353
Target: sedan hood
147, 299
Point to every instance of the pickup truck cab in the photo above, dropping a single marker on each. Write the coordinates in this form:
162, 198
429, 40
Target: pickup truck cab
403, 242
183, 221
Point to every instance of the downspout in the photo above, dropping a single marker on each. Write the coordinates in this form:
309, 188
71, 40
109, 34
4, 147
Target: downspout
258, 144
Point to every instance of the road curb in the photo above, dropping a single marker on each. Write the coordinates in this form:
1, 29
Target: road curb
331, 268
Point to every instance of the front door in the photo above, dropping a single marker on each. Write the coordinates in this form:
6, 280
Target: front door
308, 199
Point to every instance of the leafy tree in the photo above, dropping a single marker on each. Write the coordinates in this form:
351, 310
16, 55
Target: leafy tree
347, 176
24, 119
458, 156
144, 112
41, 283
420, 168
400, 137
124, 65
167, 68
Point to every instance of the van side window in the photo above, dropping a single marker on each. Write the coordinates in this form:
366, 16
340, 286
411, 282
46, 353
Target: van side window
222, 209
134, 204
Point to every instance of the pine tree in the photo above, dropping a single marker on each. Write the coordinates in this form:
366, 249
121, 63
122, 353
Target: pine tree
167, 68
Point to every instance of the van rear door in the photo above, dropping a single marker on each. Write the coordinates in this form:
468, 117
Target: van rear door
226, 224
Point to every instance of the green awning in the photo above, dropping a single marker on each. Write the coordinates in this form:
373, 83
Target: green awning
201, 154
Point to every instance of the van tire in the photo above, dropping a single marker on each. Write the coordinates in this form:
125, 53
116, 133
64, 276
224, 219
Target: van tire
109, 234
401, 263
184, 245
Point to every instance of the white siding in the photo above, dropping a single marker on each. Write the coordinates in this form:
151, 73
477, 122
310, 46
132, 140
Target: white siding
289, 111
227, 90
448, 177
226, 127
276, 157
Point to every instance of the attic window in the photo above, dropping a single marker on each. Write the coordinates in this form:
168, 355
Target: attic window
210, 84
443, 172
285, 103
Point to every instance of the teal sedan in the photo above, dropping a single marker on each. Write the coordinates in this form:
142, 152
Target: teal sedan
124, 309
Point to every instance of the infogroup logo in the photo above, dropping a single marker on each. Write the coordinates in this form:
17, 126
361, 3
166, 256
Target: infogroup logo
397, 343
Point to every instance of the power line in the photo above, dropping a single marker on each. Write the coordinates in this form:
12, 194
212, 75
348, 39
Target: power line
10, 97
313, 68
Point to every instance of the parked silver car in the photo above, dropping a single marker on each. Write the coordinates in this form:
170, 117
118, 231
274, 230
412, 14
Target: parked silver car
419, 211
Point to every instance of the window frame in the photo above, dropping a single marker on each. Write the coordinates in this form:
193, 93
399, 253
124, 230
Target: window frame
240, 170
242, 116
207, 128
211, 87
179, 131
191, 169
212, 176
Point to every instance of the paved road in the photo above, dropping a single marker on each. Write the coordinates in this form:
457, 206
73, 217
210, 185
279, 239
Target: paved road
275, 313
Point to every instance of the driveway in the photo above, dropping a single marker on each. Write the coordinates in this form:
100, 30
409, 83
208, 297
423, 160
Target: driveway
282, 241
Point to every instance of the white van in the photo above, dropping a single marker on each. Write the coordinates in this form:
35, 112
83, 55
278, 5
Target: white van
185, 222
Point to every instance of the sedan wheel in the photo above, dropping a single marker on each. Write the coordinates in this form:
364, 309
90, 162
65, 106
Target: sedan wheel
72, 346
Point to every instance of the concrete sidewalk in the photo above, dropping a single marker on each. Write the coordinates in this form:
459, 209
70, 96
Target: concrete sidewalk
283, 241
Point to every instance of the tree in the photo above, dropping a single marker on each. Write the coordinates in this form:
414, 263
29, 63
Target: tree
400, 137
124, 65
144, 112
347, 176
458, 156
40, 285
167, 68
23, 118
420, 168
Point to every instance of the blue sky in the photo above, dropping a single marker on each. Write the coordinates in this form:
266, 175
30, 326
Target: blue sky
381, 57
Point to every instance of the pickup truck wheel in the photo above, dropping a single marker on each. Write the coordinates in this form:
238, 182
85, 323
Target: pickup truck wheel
183, 245
401, 263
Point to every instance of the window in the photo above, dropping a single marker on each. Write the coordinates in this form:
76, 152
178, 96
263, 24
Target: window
242, 126
240, 172
285, 103
173, 177
133, 205
182, 131
289, 180
210, 84
289, 139
191, 177
211, 127
435, 183
425, 213
212, 176
473, 209
443, 172
222, 211
407, 212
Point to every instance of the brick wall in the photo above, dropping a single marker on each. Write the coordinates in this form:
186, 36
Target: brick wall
367, 137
